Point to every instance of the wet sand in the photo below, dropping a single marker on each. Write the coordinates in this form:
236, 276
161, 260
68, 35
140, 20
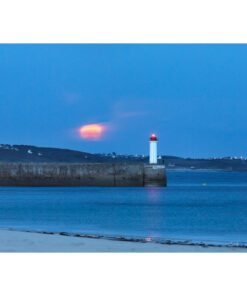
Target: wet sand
22, 241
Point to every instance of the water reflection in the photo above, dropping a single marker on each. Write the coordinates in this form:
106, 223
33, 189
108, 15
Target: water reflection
155, 194
155, 220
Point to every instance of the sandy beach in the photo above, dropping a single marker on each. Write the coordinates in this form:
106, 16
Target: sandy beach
20, 241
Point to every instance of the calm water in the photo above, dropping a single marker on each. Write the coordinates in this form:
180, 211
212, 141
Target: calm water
184, 210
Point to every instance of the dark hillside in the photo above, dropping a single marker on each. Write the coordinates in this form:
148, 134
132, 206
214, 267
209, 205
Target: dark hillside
26, 153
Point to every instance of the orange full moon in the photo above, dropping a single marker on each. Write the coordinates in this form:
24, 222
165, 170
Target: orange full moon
91, 131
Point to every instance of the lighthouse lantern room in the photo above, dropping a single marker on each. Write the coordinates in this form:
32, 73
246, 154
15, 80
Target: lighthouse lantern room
153, 149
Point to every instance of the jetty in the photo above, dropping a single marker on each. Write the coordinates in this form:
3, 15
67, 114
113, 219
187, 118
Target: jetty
82, 174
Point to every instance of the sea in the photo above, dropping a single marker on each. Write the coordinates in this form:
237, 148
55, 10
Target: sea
204, 207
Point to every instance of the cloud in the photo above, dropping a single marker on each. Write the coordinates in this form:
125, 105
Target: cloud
127, 108
71, 98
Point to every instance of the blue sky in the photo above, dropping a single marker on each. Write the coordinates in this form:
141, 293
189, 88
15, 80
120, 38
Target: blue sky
193, 96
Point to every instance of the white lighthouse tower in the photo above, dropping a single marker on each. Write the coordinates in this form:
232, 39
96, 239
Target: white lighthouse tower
153, 149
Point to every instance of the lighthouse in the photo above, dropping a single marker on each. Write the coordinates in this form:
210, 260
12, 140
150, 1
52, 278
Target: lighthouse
153, 149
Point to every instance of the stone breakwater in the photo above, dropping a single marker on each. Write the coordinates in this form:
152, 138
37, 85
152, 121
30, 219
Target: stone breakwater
77, 174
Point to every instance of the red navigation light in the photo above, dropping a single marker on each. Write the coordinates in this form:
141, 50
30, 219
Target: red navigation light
153, 138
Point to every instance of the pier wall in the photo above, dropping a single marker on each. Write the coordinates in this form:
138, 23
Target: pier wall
86, 174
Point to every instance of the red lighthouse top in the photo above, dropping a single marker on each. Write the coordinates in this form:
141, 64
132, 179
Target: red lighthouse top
153, 138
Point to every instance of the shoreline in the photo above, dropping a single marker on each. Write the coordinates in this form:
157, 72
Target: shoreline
45, 241
182, 170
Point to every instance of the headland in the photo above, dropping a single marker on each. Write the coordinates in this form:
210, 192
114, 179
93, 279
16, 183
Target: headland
33, 154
